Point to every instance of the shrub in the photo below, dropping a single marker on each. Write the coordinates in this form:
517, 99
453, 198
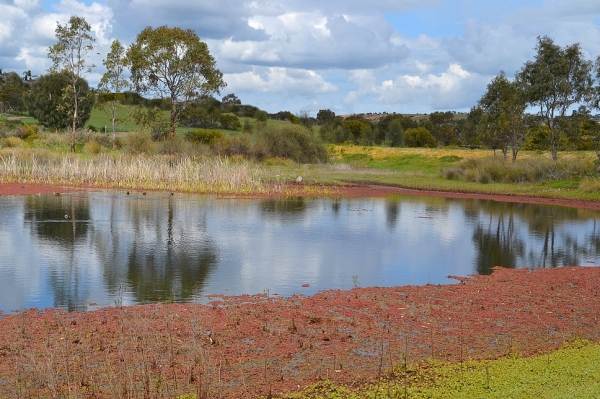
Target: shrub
230, 122
419, 137
497, 169
138, 143
203, 136
92, 147
289, 141
13, 142
261, 116
27, 130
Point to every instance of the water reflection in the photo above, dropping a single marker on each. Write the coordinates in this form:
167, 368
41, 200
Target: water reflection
108, 247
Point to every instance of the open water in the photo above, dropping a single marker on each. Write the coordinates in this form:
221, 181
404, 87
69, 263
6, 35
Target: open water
87, 250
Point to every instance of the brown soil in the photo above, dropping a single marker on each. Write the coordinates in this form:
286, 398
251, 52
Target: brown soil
252, 346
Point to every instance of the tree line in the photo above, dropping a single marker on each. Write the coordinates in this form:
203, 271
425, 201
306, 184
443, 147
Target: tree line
171, 69
170, 64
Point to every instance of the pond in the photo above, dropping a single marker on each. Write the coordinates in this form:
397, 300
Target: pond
87, 250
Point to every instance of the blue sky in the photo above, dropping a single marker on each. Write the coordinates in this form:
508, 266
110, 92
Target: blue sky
350, 56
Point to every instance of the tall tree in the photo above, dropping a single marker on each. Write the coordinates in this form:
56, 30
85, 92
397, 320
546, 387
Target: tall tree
113, 83
173, 63
46, 101
70, 55
503, 106
442, 126
12, 89
557, 79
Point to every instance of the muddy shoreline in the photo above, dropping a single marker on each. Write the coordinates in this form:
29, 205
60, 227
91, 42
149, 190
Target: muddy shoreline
350, 191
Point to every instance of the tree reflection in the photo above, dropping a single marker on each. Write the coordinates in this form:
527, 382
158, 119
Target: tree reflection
62, 222
392, 211
291, 208
159, 253
528, 235
61, 219
497, 243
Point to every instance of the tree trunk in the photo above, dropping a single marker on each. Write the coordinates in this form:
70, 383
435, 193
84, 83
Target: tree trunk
172, 119
113, 120
75, 103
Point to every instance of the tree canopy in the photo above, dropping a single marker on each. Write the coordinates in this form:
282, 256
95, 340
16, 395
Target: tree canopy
173, 63
503, 106
69, 55
557, 79
47, 101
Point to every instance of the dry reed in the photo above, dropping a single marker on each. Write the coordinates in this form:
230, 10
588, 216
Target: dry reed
173, 173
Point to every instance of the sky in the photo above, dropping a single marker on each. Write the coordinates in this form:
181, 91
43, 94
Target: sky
350, 56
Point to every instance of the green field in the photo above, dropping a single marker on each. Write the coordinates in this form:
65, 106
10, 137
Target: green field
569, 373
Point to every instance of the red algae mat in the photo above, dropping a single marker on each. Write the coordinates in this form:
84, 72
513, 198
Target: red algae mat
253, 346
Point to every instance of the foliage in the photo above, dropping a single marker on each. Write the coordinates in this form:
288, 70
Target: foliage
230, 122
395, 134
503, 106
384, 124
558, 78
69, 56
530, 170
113, 83
204, 112
173, 63
153, 120
358, 129
231, 99
139, 143
261, 116
419, 137
442, 126
290, 141
325, 117
49, 96
12, 89
92, 147
203, 136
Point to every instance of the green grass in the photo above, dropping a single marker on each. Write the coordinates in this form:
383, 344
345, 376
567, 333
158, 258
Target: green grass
100, 118
419, 168
569, 373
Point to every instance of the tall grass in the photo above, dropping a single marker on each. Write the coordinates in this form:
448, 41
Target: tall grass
526, 170
174, 173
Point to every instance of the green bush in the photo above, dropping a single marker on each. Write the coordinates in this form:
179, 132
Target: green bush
261, 116
230, 122
419, 137
289, 141
203, 136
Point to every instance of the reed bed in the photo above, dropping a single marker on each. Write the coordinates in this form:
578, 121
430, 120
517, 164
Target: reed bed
172, 173
526, 170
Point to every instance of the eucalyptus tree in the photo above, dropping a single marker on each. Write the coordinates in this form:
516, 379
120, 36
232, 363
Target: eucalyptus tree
558, 78
503, 105
173, 63
113, 83
69, 55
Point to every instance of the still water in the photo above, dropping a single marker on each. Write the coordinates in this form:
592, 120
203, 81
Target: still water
83, 251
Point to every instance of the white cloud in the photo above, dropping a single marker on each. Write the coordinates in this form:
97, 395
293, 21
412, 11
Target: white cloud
444, 91
288, 81
363, 56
